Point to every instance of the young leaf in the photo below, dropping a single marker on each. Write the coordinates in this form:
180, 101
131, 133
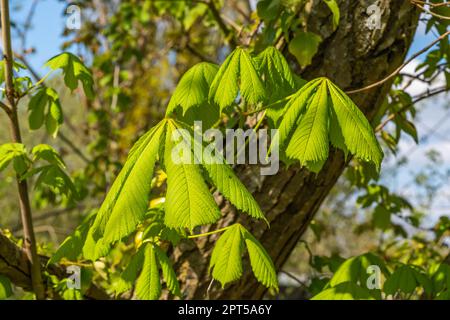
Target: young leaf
358, 134
131, 272
188, 200
74, 70
237, 74
192, 90
127, 201
320, 113
226, 261
168, 273
148, 285
277, 75
309, 143
260, 261
223, 177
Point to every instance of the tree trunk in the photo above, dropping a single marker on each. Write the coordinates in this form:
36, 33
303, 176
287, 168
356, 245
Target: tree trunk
353, 57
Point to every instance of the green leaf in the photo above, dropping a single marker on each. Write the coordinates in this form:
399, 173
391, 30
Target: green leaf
168, 273
358, 134
309, 143
5, 287
382, 217
406, 279
127, 201
237, 74
36, 108
334, 7
74, 70
319, 114
223, 177
344, 291
148, 285
277, 75
268, 9
12, 152
72, 246
45, 97
261, 263
355, 270
188, 200
193, 88
304, 47
47, 153
131, 272
226, 261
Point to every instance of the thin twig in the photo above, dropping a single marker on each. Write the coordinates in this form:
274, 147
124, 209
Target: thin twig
397, 71
406, 107
24, 201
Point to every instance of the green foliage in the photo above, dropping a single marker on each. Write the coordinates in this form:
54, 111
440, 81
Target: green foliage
278, 78
5, 287
334, 7
127, 201
72, 246
16, 153
320, 113
193, 88
74, 70
45, 106
344, 291
148, 285
237, 74
406, 279
226, 264
304, 47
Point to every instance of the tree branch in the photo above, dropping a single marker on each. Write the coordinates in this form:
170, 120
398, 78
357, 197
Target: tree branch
15, 264
24, 201
397, 71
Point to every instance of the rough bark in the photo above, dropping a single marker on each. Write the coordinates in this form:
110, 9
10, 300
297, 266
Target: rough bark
352, 56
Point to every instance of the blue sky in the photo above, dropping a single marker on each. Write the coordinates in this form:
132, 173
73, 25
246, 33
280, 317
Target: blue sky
46, 38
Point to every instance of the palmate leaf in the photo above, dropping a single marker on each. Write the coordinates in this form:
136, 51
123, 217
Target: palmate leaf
193, 88
145, 266
148, 285
260, 261
236, 75
74, 70
188, 200
320, 114
309, 143
168, 273
221, 176
278, 78
127, 201
226, 264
